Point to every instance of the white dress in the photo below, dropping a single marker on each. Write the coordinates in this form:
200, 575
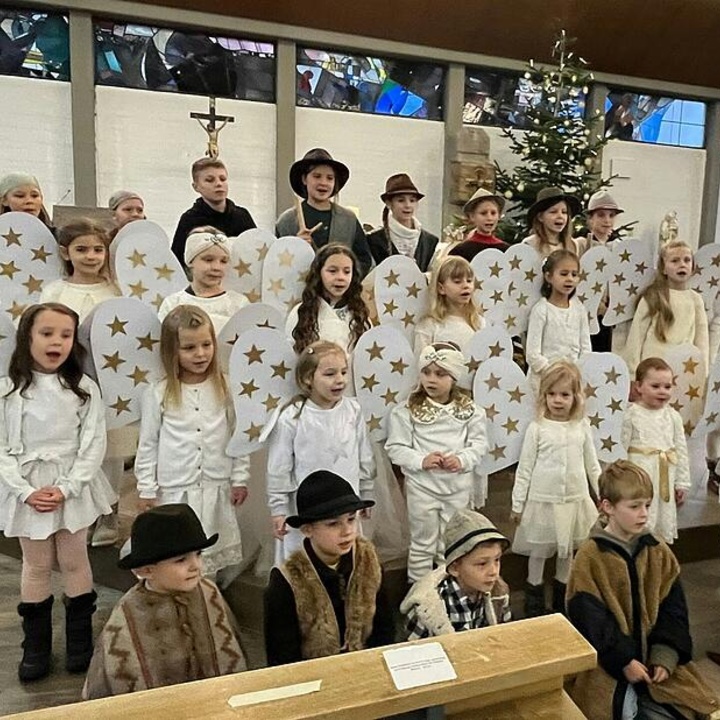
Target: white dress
219, 308
80, 298
333, 325
452, 328
181, 458
655, 438
49, 437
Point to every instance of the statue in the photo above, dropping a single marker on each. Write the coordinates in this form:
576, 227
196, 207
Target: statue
669, 228
211, 128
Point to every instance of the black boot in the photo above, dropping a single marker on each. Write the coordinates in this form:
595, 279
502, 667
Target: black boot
534, 600
78, 631
37, 645
558, 600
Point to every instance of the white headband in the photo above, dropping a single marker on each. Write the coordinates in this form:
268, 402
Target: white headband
452, 361
199, 242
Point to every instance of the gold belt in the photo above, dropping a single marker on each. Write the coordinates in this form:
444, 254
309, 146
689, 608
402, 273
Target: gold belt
666, 458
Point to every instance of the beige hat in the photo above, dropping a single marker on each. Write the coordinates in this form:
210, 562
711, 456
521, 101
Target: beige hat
444, 356
482, 194
603, 200
199, 242
465, 530
121, 196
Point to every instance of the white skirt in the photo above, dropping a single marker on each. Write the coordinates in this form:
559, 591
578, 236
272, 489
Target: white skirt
548, 529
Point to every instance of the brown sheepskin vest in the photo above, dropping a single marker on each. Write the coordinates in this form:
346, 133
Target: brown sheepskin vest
316, 617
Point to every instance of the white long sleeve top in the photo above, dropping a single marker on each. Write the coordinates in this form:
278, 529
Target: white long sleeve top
557, 461
318, 439
333, 324
219, 308
80, 298
185, 446
452, 328
455, 428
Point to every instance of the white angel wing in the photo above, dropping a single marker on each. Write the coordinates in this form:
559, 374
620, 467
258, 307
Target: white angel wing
689, 373
631, 269
706, 279
594, 276
247, 254
284, 271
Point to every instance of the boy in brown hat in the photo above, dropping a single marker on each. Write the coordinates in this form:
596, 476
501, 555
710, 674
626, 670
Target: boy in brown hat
483, 210
173, 626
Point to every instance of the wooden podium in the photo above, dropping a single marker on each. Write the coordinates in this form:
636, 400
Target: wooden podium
505, 672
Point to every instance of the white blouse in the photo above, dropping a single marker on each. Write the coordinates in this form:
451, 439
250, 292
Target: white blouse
452, 328
80, 298
220, 308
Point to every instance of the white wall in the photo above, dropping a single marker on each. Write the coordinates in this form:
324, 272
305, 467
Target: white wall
147, 142
36, 134
500, 149
375, 147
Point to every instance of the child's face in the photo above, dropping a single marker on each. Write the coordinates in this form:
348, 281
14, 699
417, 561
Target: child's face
559, 400
485, 216
678, 267
25, 198
212, 185
601, 223
176, 574
655, 389
627, 518
437, 383
88, 255
336, 276
329, 380
333, 538
51, 340
195, 353
320, 183
126, 212
478, 571
403, 207
208, 269
564, 276
555, 218
457, 291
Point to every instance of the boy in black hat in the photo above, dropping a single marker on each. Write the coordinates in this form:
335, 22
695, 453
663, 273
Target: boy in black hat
327, 597
173, 626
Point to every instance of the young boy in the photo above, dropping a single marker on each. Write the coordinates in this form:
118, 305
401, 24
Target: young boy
327, 598
467, 592
173, 626
483, 210
625, 597
210, 181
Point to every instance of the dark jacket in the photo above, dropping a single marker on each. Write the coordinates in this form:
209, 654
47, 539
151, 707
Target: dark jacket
381, 247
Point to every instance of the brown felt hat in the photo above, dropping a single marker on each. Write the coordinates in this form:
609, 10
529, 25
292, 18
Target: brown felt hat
400, 184
311, 159
547, 197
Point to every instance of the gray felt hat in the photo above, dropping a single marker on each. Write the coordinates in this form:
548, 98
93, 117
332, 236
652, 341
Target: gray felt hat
465, 530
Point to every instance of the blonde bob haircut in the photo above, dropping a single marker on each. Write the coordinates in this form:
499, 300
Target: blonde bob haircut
452, 267
562, 371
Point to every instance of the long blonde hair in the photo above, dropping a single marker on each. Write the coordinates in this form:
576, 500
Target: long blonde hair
565, 236
455, 268
186, 317
657, 293
562, 371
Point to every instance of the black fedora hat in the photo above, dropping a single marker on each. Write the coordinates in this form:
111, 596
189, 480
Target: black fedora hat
163, 532
311, 159
547, 197
323, 495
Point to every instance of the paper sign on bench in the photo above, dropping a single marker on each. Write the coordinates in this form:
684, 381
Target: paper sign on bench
418, 665
277, 693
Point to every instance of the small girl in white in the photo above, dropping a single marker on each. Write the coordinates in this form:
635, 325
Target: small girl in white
654, 438
438, 438
187, 421
558, 328
552, 498
320, 429
207, 256
52, 442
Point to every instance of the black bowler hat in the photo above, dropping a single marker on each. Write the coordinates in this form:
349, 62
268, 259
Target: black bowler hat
313, 158
549, 196
163, 532
323, 495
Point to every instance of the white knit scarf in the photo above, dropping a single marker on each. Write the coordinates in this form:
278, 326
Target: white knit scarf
405, 239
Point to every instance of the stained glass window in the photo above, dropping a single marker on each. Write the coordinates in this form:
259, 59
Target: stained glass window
359, 83
34, 44
152, 58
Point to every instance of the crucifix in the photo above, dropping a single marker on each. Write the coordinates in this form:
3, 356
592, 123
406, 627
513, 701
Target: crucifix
211, 128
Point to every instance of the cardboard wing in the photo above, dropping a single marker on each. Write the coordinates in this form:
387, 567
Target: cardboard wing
247, 254
284, 272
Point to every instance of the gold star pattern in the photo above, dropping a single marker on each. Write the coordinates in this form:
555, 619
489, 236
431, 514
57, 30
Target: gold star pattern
689, 365
493, 382
16, 310
516, 395
496, 297
242, 268
582, 275
117, 326
688, 427
389, 397
510, 426
614, 406
9, 269
491, 412
158, 301
601, 264
113, 361
581, 297
121, 405
276, 286
632, 289
262, 251
530, 275
137, 289
495, 270
472, 365
716, 386
619, 309
612, 376
146, 342
511, 288
164, 272
676, 405
595, 420
398, 366
254, 355
253, 432
285, 258
413, 290
514, 263
711, 418
498, 452
608, 443
12, 238
40, 253
510, 322
619, 279
408, 319
33, 285
495, 350
624, 256
137, 258
232, 341
390, 307
598, 287
280, 370
271, 402
248, 388
522, 300
369, 382
266, 324
375, 351
641, 268
373, 423
713, 282
392, 278
253, 296
716, 261
138, 376
693, 392
590, 391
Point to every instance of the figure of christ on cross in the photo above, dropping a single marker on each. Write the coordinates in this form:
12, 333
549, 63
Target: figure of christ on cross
211, 128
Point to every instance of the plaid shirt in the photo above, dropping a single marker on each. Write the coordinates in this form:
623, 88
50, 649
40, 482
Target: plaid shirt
463, 612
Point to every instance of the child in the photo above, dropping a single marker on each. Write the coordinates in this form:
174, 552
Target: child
558, 327
550, 219
669, 312
126, 206
317, 178
319, 429
438, 438
466, 592
654, 438
20, 192
453, 315
186, 423
600, 219
84, 249
52, 442
401, 232
483, 210
173, 626
327, 598
207, 255
626, 598
213, 207
555, 482
332, 307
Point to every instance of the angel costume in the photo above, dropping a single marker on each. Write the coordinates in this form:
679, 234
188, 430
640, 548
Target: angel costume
451, 328
333, 324
220, 308
81, 298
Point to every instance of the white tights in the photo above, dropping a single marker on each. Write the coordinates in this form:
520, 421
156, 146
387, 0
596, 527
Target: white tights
536, 566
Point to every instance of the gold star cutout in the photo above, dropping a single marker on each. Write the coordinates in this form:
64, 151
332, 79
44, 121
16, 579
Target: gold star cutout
716, 261
595, 420
280, 370
713, 282
40, 254
516, 395
711, 418
716, 386
33, 285
369, 382
600, 265
392, 278
522, 300
597, 288
233, 340
16, 310
408, 319
641, 268
624, 256
373, 423
514, 263
676, 405
689, 365
242, 268
137, 289
619, 309
253, 296
510, 425
138, 376
113, 361
581, 297
619, 279
254, 355
495, 270
511, 288
117, 326
146, 342
121, 405
496, 350
614, 406
158, 301
632, 289
375, 351
413, 290
267, 324
164, 272
530, 275
608, 443
276, 286
398, 366
262, 251
510, 322
253, 432
285, 258
12, 238
271, 402
472, 365
9, 269
590, 391
493, 382
248, 388
389, 397
491, 412
693, 392
137, 258
582, 276
688, 427
612, 376
390, 307
498, 452
496, 297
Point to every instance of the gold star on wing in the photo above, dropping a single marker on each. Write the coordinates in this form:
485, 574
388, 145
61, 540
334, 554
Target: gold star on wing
138, 376
16, 310
497, 297
600, 265
390, 307
496, 350
373, 423
478, 284
262, 251
375, 351
491, 412
164, 272
619, 279
498, 452
389, 397
369, 382
495, 270
693, 392
137, 289
392, 278
624, 256
510, 426
632, 289
280, 370
158, 301
608, 443
688, 427
511, 288
271, 402
40, 253
276, 286
413, 290
253, 432
232, 341
619, 309
582, 276
689, 365
641, 268
581, 297
597, 288
266, 324
711, 419
254, 355
113, 361
716, 261
9, 269
595, 420
472, 365
713, 282
121, 405
716, 386
612, 376
514, 263
510, 322
248, 388
522, 300
676, 406
146, 342
137, 258
516, 395
12, 238
590, 391
398, 366
117, 326
530, 275
614, 406
253, 296
242, 268
493, 382
285, 258
33, 285
408, 319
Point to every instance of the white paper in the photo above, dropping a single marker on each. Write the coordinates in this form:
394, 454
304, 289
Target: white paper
418, 665
277, 693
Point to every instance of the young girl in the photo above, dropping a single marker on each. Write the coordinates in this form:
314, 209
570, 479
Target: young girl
187, 421
84, 249
558, 327
654, 438
600, 220
555, 482
332, 307
453, 315
20, 192
320, 429
52, 442
669, 312
401, 232
207, 255
550, 219
126, 206
438, 438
